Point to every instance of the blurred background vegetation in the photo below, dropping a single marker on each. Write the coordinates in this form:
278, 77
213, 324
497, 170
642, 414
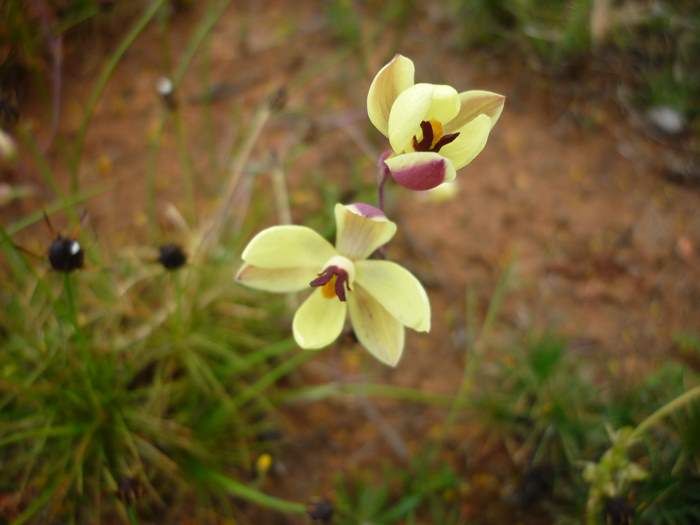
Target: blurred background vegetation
131, 392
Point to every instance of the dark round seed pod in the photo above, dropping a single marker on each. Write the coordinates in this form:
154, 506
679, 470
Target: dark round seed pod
171, 256
321, 511
66, 255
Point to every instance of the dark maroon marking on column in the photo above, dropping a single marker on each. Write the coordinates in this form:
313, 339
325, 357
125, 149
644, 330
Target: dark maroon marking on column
341, 281
444, 141
427, 140
426, 143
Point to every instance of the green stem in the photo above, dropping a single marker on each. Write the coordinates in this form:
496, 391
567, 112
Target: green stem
179, 308
101, 83
245, 492
273, 376
187, 165
665, 411
212, 229
131, 513
151, 169
329, 390
81, 341
40, 161
58, 205
473, 361
214, 12
594, 502
70, 303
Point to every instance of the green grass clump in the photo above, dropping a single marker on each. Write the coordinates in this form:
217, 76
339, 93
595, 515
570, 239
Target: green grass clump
419, 493
126, 390
554, 32
563, 442
556, 411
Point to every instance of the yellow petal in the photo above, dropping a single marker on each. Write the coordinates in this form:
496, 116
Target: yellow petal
415, 104
318, 321
376, 329
472, 104
421, 170
361, 229
392, 79
471, 140
281, 280
409, 109
397, 290
288, 246
445, 104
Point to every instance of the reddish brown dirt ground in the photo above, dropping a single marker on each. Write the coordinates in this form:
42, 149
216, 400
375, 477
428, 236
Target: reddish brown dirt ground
605, 251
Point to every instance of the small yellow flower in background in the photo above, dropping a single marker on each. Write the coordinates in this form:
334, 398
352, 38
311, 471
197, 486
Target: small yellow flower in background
380, 296
433, 130
263, 463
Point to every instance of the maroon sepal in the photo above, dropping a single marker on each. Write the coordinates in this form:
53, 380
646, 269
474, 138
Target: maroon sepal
421, 177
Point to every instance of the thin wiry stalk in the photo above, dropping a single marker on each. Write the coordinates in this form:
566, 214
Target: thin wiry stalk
101, 83
40, 160
279, 186
186, 163
154, 143
213, 13
665, 411
59, 205
317, 393
272, 377
474, 359
284, 214
212, 229
250, 494
56, 47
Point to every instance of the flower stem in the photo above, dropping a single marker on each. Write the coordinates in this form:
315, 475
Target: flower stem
382, 179
664, 411
81, 342
284, 213
248, 493
100, 85
69, 294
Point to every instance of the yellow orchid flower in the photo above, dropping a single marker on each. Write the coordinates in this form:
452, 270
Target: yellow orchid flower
381, 296
433, 130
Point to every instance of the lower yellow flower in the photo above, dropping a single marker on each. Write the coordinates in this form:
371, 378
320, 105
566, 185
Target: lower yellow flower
380, 296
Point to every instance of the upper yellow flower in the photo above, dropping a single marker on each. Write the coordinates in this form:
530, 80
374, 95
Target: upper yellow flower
432, 129
381, 296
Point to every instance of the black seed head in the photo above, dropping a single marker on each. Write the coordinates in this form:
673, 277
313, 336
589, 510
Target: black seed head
321, 511
172, 256
66, 255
